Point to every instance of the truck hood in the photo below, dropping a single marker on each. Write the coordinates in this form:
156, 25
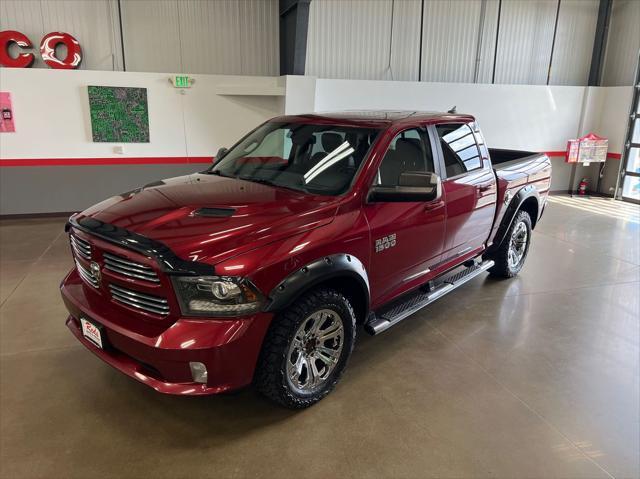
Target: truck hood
209, 218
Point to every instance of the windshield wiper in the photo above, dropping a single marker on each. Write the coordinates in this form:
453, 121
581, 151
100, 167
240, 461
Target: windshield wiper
264, 181
218, 173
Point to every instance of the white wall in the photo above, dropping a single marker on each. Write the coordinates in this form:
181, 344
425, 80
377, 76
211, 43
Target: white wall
51, 111
539, 118
52, 118
526, 117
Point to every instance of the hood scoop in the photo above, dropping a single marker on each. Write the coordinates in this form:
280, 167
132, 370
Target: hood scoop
214, 212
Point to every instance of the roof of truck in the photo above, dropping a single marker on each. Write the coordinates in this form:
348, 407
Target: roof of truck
377, 117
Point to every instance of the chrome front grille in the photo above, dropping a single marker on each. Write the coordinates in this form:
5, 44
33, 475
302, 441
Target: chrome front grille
129, 268
87, 276
135, 299
80, 247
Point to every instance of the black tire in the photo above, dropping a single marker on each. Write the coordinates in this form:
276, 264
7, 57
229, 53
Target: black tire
504, 268
272, 378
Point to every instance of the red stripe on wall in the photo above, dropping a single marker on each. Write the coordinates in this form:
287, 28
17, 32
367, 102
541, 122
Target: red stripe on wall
168, 160
613, 156
163, 160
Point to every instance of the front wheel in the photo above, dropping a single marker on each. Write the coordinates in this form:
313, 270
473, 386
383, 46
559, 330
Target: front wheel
510, 256
306, 349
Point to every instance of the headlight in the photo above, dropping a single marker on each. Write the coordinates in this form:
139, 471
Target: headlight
216, 295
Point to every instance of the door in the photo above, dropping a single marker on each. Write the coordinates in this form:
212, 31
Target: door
408, 236
469, 185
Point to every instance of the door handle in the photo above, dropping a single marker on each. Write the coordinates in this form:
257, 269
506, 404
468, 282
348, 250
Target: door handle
433, 205
484, 188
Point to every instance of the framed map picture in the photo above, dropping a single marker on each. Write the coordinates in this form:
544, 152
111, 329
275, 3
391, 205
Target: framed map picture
119, 114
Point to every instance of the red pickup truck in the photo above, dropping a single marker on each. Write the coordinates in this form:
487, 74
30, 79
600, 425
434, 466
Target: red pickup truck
259, 269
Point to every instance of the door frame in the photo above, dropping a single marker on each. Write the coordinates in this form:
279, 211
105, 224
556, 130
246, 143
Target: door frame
628, 144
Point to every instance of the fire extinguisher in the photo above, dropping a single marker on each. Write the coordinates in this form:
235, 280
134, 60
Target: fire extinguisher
582, 187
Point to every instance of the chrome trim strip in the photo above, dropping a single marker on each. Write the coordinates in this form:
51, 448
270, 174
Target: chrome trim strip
87, 276
415, 275
114, 257
142, 307
81, 248
135, 294
127, 268
128, 273
142, 303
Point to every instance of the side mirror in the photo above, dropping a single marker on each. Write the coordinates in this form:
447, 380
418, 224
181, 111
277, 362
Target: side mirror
221, 152
412, 186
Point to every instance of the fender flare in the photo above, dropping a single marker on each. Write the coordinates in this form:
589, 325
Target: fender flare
316, 272
514, 206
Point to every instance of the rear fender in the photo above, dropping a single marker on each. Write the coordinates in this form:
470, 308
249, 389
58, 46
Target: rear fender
514, 206
334, 266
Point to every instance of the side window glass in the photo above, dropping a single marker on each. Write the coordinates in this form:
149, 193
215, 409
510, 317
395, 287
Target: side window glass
459, 148
407, 152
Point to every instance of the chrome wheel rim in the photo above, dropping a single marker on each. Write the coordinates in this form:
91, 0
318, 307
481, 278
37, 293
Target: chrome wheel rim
315, 350
518, 244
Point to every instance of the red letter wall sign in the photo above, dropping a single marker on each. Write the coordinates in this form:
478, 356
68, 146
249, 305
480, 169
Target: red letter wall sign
23, 60
47, 50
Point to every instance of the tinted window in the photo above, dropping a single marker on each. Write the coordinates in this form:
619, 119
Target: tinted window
407, 152
459, 148
321, 159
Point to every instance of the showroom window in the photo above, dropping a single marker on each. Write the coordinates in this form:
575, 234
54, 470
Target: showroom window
408, 151
459, 148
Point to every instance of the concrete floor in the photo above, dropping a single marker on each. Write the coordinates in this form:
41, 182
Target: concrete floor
535, 376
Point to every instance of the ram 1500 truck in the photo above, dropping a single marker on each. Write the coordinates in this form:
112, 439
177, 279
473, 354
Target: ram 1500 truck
259, 269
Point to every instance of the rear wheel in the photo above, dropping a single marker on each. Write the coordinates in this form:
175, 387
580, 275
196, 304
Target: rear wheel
306, 349
511, 254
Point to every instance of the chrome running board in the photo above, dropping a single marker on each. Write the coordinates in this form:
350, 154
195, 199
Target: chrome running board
413, 302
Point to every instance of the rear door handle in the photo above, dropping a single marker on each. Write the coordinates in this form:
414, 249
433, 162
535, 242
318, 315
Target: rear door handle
433, 205
485, 188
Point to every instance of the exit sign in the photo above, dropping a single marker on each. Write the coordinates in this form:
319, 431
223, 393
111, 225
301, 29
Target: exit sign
182, 81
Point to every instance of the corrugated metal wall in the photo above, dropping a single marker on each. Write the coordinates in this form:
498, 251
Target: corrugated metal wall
450, 40
350, 39
360, 39
353, 39
224, 36
91, 22
524, 41
623, 43
574, 42
196, 36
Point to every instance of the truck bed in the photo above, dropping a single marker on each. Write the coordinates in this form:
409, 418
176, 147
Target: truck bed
506, 158
514, 170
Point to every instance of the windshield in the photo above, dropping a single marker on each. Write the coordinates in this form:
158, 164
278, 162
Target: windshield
319, 159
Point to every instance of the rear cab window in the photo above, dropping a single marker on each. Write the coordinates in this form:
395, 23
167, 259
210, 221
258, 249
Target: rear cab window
459, 145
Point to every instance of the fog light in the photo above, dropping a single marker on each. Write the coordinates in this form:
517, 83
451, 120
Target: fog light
198, 372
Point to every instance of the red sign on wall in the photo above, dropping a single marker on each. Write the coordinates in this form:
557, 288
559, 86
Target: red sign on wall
48, 46
7, 124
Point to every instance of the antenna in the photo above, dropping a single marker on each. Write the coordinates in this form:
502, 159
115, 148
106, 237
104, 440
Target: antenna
452, 111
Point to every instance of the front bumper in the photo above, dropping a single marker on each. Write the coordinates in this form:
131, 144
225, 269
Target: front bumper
229, 348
